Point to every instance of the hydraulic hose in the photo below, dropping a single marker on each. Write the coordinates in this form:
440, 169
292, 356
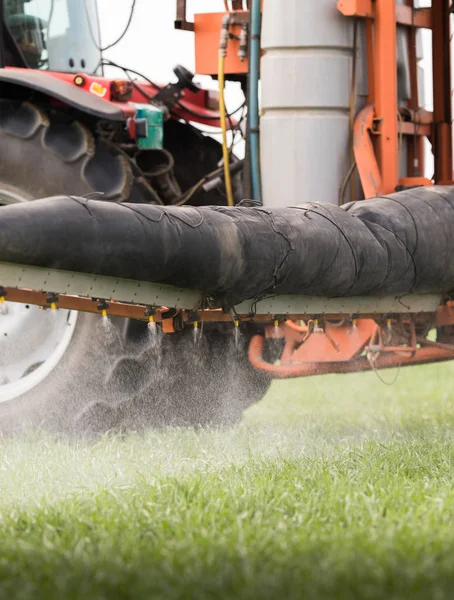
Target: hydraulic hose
222, 110
254, 71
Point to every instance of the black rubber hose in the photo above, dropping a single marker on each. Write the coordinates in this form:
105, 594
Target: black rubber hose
391, 245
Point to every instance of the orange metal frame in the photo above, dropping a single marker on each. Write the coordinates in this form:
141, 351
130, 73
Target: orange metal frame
352, 345
378, 127
364, 344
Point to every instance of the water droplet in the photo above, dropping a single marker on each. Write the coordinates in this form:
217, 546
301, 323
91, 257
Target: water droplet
155, 338
196, 335
108, 333
236, 336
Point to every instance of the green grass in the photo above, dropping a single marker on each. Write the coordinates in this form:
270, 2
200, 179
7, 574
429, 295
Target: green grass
334, 487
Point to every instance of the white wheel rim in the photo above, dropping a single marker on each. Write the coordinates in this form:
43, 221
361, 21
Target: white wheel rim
32, 341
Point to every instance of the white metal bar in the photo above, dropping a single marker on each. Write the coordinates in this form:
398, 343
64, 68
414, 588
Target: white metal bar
156, 294
311, 305
97, 286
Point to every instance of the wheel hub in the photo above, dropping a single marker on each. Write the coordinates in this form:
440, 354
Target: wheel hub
32, 343
32, 340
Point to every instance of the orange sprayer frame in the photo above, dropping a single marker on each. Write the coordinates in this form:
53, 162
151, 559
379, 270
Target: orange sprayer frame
379, 126
358, 344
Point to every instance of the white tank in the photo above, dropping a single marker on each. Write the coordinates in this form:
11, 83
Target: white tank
306, 83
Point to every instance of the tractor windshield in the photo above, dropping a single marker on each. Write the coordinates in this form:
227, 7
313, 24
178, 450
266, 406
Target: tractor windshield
58, 35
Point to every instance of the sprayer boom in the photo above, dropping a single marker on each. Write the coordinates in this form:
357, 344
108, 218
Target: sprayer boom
133, 299
361, 278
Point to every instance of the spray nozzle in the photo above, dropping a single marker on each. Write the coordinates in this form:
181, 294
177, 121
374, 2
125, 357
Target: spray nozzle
150, 311
3, 293
52, 300
103, 307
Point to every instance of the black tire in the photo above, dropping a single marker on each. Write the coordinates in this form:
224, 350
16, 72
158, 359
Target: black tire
42, 157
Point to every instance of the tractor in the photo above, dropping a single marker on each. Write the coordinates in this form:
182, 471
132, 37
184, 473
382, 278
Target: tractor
139, 294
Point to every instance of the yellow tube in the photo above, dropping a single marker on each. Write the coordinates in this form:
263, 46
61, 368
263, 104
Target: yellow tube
223, 116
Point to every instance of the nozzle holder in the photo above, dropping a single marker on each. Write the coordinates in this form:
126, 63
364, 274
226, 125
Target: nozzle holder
102, 305
150, 311
193, 316
280, 318
52, 298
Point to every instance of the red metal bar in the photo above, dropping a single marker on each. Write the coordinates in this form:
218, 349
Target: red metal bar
407, 128
386, 92
442, 139
414, 153
369, 30
419, 17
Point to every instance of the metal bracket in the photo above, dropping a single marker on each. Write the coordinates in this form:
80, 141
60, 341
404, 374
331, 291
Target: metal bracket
181, 22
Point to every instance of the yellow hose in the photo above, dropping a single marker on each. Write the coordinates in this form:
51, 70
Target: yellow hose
223, 118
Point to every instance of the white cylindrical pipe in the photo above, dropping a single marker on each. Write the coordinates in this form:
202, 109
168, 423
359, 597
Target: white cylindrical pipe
306, 86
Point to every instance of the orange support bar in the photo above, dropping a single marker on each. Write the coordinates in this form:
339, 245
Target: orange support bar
368, 170
386, 92
386, 361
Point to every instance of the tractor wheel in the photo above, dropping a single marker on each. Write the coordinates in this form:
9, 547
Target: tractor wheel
50, 361
55, 364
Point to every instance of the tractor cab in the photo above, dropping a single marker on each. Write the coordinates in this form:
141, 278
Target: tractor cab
54, 35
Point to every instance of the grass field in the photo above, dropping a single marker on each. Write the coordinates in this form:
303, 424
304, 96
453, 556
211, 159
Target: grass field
334, 487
